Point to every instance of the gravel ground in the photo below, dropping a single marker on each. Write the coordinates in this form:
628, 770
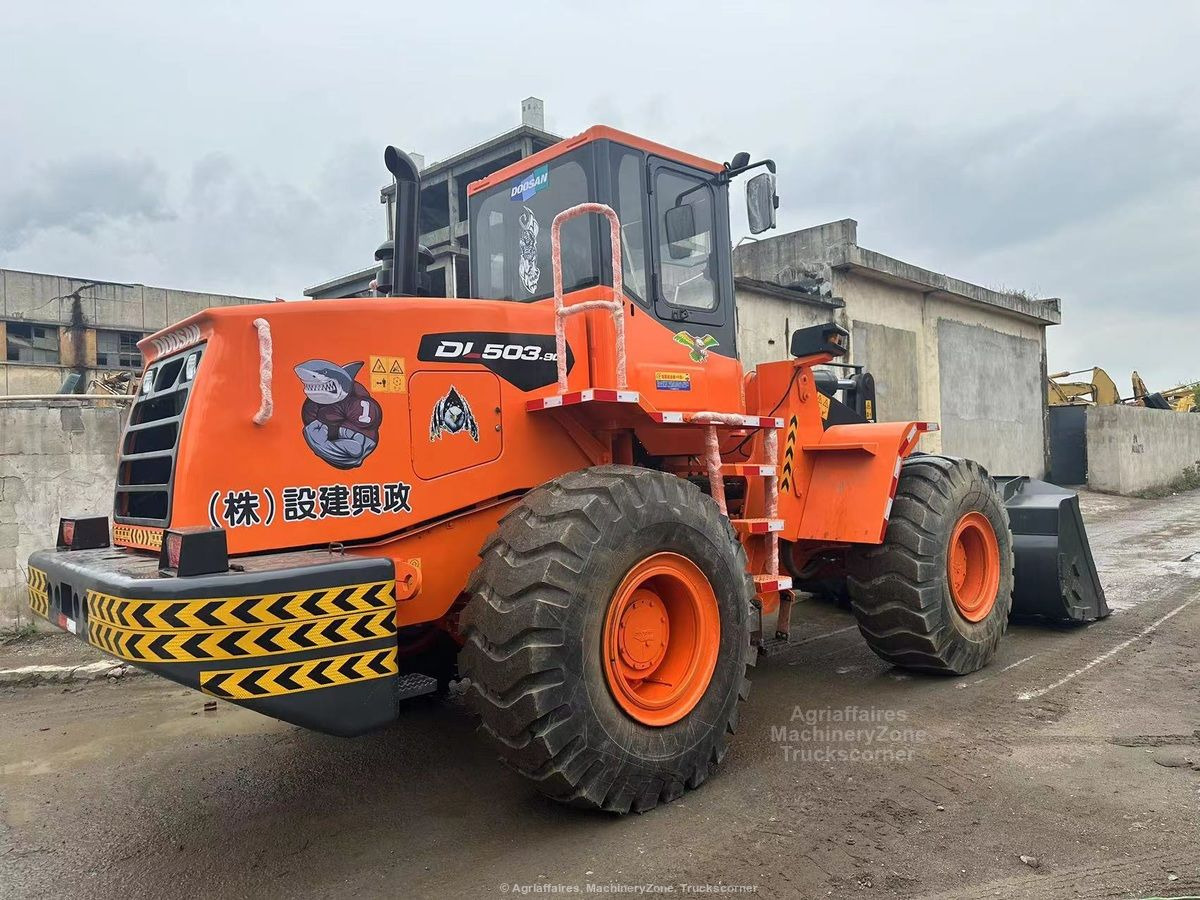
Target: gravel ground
1068, 767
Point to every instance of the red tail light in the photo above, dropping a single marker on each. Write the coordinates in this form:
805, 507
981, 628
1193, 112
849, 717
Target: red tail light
89, 533
174, 545
193, 551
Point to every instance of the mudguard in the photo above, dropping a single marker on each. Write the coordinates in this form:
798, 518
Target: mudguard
1056, 577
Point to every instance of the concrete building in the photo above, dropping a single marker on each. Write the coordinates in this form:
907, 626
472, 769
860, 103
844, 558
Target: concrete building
53, 326
443, 223
57, 458
940, 349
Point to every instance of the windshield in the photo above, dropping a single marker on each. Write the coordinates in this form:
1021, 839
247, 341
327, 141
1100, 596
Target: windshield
510, 232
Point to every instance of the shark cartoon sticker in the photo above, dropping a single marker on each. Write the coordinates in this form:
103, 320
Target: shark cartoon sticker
699, 346
341, 418
451, 415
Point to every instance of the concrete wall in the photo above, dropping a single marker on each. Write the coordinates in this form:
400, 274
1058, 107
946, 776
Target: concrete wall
766, 323
992, 397
55, 458
941, 349
890, 354
1131, 449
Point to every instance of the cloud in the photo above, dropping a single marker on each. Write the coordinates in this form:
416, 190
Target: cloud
217, 226
1006, 183
81, 196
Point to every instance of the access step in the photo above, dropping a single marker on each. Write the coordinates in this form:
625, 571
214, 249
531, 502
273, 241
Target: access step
748, 470
591, 395
757, 526
414, 684
769, 584
774, 646
735, 420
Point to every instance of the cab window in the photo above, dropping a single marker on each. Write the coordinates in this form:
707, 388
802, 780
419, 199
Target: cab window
684, 225
628, 178
510, 248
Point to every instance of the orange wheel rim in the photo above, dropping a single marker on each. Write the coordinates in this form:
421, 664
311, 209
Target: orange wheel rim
662, 633
973, 566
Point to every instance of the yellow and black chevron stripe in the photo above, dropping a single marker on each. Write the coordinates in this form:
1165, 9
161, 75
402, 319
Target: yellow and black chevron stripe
137, 536
223, 612
39, 592
789, 454
292, 678
237, 643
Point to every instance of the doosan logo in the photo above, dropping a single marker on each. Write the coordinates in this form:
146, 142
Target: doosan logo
535, 181
176, 340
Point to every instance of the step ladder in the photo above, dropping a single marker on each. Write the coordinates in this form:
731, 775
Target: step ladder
765, 530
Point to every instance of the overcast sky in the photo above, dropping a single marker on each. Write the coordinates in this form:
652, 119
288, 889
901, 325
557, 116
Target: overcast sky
1051, 147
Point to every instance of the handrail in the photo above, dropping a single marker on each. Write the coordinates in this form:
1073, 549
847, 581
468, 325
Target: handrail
616, 305
266, 406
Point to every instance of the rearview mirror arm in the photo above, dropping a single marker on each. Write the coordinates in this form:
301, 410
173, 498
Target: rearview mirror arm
731, 172
727, 175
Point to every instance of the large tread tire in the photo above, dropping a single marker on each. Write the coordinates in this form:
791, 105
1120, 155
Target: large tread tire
900, 590
533, 626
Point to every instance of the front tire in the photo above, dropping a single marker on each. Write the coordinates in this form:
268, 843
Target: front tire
607, 637
936, 594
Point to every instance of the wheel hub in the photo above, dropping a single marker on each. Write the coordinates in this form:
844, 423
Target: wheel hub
662, 634
644, 632
973, 566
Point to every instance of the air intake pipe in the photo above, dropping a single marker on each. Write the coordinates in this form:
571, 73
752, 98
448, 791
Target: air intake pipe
405, 259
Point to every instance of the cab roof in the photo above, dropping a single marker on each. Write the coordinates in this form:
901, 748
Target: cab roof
595, 133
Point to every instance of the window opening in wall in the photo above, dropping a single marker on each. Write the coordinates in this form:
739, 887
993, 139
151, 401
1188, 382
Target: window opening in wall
118, 349
29, 343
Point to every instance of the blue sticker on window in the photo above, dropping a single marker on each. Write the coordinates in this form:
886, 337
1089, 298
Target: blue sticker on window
535, 181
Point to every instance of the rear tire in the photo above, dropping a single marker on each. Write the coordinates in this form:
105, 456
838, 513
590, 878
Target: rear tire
936, 594
549, 677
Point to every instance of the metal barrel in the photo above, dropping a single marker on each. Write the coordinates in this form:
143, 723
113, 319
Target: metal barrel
1055, 576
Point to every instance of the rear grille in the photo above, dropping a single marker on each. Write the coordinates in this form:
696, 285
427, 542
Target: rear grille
146, 466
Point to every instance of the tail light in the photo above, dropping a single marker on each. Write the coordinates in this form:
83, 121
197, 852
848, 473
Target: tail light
193, 551
89, 533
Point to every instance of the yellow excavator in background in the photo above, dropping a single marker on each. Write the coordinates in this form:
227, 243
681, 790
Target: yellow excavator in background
1101, 390
1181, 398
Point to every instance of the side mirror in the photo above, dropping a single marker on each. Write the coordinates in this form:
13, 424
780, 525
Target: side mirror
681, 228
761, 202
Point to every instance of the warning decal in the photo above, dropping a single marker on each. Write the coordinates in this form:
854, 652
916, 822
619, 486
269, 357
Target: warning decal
673, 381
388, 374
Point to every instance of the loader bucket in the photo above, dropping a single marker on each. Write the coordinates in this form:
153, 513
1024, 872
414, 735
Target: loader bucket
1055, 575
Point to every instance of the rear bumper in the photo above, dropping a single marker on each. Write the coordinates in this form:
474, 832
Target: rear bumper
308, 637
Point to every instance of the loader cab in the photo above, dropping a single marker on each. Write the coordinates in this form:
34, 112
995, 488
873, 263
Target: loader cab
675, 243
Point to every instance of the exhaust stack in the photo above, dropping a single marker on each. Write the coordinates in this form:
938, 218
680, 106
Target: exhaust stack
405, 260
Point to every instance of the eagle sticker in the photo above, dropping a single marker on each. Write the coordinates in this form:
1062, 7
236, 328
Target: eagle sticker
451, 415
341, 418
698, 346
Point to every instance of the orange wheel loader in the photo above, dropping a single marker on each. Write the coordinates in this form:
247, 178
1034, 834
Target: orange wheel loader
566, 493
